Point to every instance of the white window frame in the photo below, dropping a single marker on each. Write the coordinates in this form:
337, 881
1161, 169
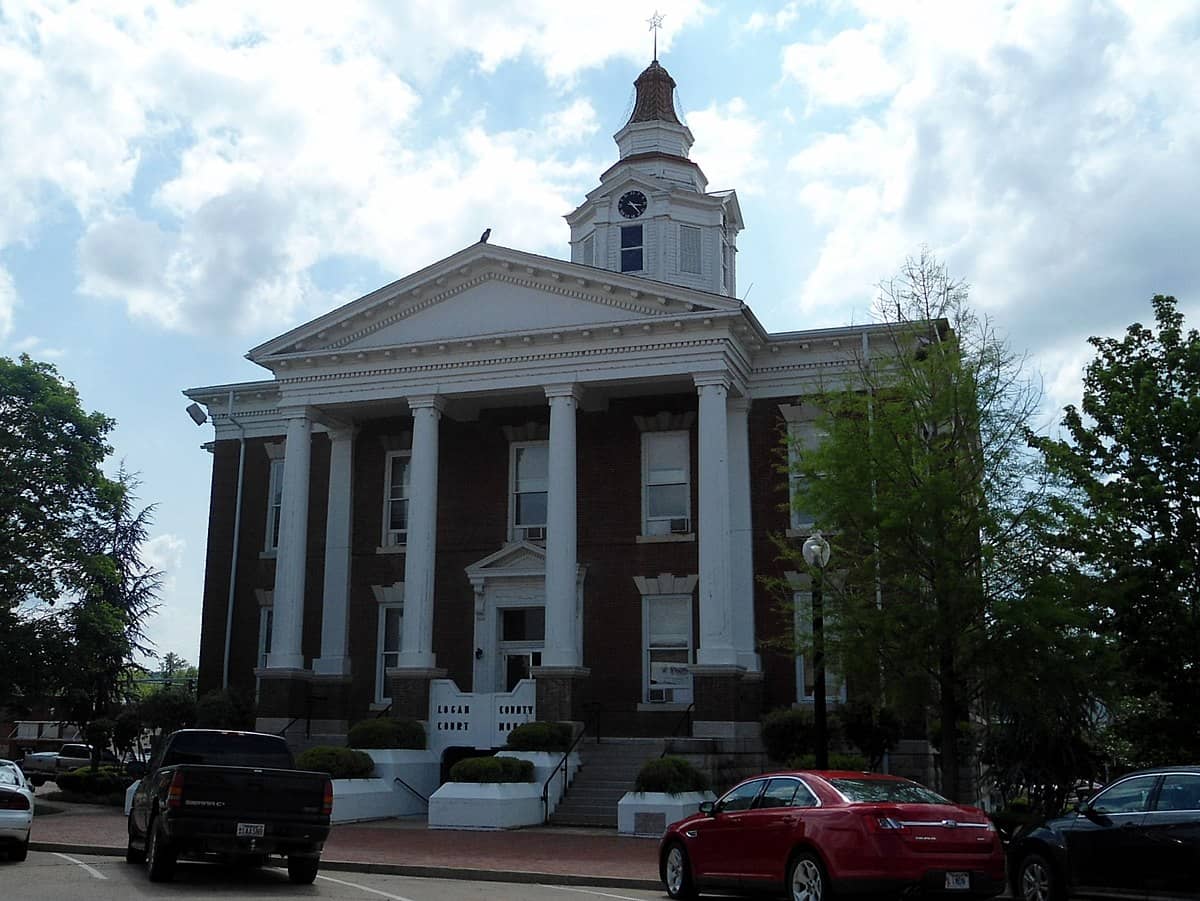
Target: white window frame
274, 505
801, 436
395, 537
835, 684
691, 238
640, 248
266, 627
680, 696
588, 250
525, 531
666, 525
385, 659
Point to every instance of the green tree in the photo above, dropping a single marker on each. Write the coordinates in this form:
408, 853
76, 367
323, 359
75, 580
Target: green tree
1132, 451
922, 479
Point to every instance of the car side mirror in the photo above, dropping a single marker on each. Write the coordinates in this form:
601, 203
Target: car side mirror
708, 808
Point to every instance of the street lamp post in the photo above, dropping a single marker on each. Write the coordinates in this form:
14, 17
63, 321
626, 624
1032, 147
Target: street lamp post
816, 555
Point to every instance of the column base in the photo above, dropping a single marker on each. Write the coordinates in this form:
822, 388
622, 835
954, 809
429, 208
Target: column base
728, 702
559, 698
409, 690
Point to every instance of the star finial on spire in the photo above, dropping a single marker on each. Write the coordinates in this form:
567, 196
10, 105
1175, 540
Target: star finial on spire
656, 21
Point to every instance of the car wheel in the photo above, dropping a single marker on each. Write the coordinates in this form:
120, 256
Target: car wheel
37, 781
1036, 880
132, 854
806, 879
677, 872
19, 851
160, 856
303, 870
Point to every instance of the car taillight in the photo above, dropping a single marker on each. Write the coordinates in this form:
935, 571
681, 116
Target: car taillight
13, 801
879, 822
175, 792
327, 804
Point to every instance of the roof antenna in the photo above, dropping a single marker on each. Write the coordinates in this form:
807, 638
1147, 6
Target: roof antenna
656, 21
748, 290
487, 233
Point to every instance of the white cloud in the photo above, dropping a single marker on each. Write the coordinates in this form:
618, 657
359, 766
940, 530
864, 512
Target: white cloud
164, 552
729, 146
777, 21
849, 69
8, 303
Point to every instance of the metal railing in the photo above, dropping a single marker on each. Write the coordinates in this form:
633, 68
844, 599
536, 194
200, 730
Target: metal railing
411, 789
562, 764
685, 720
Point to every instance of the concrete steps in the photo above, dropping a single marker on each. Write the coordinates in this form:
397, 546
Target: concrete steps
608, 770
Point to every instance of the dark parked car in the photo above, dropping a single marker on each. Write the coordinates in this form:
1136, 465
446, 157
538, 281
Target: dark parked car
811, 834
1137, 837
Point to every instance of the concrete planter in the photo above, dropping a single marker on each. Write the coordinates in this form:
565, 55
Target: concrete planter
486, 805
545, 763
383, 797
649, 813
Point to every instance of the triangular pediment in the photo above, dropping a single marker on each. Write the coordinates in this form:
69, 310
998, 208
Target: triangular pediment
518, 558
488, 293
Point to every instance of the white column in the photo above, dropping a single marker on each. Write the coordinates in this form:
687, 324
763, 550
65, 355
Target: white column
416, 640
292, 553
334, 659
561, 645
716, 616
741, 537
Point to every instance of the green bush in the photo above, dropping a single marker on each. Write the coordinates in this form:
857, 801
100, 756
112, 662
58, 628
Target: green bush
228, 709
788, 733
672, 775
872, 729
385, 732
540, 736
492, 769
85, 781
853, 762
339, 763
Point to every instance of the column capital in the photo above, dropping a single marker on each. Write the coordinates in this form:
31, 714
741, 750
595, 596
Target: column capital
564, 389
712, 380
435, 402
342, 433
299, 411
740, 404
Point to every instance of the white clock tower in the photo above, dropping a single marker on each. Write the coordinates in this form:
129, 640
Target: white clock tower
652, 214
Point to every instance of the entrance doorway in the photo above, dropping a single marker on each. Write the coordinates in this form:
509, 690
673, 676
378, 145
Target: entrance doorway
522, 637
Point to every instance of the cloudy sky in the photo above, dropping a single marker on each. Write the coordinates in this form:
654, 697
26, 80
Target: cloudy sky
180, 182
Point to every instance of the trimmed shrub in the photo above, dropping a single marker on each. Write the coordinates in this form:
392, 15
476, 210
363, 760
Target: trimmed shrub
228, 709
339, 763
386, 732
86, 781
854, 762
788, 733
540, 736
671, 775
492, 769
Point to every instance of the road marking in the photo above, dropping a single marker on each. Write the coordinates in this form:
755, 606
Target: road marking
92, 871
585, 891
373, 891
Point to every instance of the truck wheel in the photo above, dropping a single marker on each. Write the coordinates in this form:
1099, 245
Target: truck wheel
160, 856
132, 854
303, 870
19, 851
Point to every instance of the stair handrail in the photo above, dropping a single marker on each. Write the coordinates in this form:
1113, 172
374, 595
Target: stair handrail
562, 764
595, 708
686, 718
411, 789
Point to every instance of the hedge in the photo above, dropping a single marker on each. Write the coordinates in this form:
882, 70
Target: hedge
86, 781
339, 763
540, 736
492, 769
385, 732
670, 775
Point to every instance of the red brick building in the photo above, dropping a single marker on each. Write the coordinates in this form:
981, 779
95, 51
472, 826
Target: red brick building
508, 486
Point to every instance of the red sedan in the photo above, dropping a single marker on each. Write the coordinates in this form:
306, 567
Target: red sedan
816, 833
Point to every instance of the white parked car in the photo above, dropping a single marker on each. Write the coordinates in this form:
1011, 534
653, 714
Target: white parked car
16, 810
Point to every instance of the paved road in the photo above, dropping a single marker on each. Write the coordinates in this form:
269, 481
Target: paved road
64, 877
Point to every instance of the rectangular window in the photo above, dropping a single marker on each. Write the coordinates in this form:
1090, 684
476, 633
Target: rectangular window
668, 649
391, 623
274, 505
631, 248
802, 437
588, 256
266, 622
666, 488
395, 498
689, 249
529, 481
835, 685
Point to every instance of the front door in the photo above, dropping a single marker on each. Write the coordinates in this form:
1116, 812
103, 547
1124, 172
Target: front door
521, 639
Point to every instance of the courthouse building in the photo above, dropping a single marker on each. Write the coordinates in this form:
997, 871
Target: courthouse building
509, 486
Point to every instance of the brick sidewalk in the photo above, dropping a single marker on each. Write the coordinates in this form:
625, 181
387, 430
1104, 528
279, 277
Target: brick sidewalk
408, 844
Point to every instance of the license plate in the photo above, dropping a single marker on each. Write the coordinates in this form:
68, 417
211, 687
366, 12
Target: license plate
959, 882
258, 830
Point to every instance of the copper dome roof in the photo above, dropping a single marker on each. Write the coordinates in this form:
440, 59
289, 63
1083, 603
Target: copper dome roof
655, 96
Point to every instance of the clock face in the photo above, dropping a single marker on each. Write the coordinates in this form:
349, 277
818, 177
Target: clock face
632, 204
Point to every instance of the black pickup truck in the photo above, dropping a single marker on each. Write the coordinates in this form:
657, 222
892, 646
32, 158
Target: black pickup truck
232, 794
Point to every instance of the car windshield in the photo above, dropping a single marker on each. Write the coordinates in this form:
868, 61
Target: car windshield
8, 776
886, 790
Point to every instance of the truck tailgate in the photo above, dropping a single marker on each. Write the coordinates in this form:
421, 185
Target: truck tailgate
253, 794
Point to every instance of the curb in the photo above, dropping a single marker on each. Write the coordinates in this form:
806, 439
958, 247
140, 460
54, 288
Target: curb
520, 877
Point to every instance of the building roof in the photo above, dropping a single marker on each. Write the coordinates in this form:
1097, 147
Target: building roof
655, 96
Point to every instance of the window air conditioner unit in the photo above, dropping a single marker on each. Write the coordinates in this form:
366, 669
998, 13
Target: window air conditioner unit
535, 533
680, 527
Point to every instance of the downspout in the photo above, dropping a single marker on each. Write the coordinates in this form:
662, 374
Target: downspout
237, 528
